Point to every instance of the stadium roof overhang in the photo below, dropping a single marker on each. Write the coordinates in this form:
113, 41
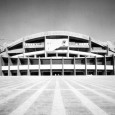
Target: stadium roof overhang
56, 33
49, 33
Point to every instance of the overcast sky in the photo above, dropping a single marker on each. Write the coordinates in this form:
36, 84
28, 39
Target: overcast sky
19, 18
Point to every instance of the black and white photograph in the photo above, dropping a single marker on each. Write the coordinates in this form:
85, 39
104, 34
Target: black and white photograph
57, 57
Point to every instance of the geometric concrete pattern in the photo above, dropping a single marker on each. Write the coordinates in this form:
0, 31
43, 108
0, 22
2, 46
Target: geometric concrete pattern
57, 95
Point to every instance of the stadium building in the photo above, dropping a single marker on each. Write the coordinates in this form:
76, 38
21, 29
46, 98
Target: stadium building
57, 53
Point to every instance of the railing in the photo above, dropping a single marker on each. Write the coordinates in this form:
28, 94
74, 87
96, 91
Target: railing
33, 45
99, 51
16, 51
79, 45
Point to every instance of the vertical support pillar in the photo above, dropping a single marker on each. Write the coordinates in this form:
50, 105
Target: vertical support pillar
74, 67
51, 67
56, 54
45, 45
68, 48
18, 69
113, 64
62, 66
85, 65
78, 55
28, 71
107, 50
89, 44
95, 65
7, 51
23, 47
0, 65
9, 64
2, 61
39, 67
105, 69
35, 56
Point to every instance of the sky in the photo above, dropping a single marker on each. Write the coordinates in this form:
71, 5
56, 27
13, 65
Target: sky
20, 18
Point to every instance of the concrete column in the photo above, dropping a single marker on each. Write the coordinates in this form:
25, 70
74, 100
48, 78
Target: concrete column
28, 71
105, 70
56, 54
51, 66
89, 44
45, 46
62, 66
0, 65
78, 55
18, 69
9, 64
35, 56
2, 61
6, 47
107, 50
39, 67
23, 44
68, 48
95, 65
74, 67
85, 65
113, 64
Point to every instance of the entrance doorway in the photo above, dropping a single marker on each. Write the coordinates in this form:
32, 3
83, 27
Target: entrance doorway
56, 73
69, 72
80, 72
45, 72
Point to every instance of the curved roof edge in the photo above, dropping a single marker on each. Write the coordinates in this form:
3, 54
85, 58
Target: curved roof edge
48, 33
66, 33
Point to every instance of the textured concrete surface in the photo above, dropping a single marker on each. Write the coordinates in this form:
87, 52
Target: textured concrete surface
57, 95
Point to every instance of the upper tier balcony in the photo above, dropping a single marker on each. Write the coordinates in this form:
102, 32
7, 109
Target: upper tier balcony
34, 45
78, 45
98, 50
16, 51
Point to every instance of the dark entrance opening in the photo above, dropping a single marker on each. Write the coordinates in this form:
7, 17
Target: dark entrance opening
68, 72
100, 72
78, 72
34, 72
5, 73
23, 72
57, 72
45, 73
14, 73
109, 72
90, 72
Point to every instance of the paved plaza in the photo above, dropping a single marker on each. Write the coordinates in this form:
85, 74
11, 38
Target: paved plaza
57, 95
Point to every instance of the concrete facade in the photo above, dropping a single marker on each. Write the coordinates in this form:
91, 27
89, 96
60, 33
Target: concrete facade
57, 53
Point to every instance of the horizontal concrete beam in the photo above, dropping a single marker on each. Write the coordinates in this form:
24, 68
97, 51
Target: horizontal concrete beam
57, 66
